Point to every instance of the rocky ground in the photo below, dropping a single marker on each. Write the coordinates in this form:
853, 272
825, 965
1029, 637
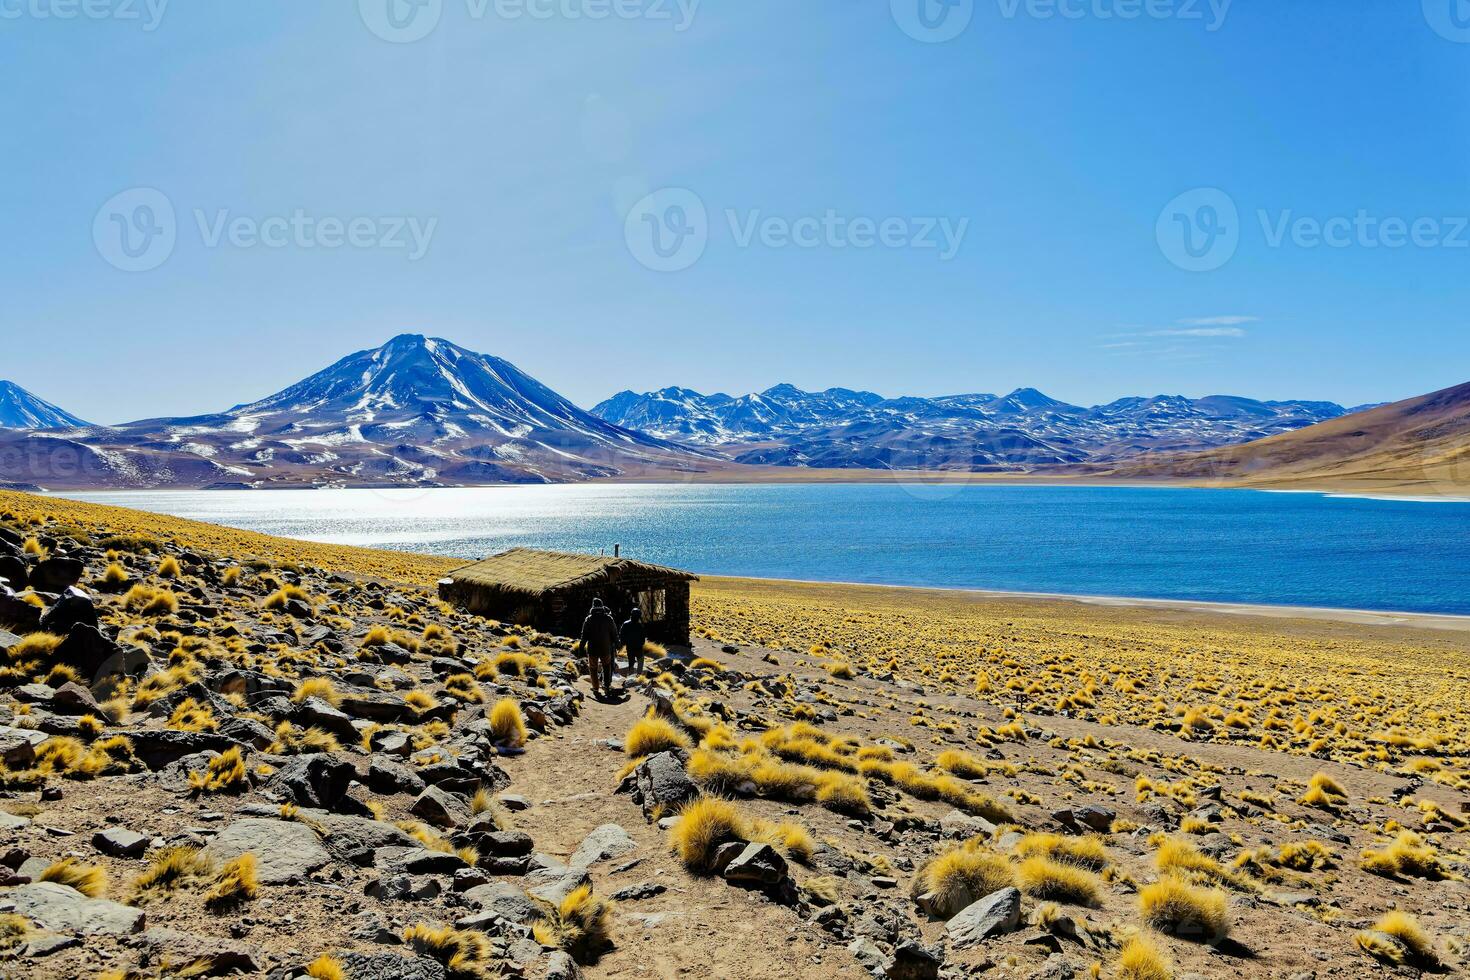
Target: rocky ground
422, 794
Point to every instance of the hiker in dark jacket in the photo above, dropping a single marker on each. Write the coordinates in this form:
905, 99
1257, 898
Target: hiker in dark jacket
633, 637
599, 643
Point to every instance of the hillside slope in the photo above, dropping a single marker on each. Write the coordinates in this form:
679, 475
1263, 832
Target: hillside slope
1420, 444
417, 788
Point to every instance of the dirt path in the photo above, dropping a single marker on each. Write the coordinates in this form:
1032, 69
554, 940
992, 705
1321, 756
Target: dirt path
698, 927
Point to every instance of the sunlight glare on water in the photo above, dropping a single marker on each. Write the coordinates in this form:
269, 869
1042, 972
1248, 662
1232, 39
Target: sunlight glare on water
1219, 545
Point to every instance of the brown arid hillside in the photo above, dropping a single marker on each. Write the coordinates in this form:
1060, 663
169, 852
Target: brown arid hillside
229, 754
1421, 445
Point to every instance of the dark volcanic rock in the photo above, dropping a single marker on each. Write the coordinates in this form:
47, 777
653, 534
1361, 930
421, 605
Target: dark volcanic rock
156, 748
73, 609
56, 574
319, 780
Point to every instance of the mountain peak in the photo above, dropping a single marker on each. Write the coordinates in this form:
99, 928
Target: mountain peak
19, 409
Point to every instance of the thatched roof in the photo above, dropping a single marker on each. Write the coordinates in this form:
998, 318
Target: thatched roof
535, 573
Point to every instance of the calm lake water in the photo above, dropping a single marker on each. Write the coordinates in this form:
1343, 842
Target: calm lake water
1219, 545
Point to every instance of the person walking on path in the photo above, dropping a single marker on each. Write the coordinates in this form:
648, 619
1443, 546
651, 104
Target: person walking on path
599, 643
632, 637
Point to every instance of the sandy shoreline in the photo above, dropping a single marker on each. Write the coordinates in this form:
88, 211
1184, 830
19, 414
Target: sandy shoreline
1359, 617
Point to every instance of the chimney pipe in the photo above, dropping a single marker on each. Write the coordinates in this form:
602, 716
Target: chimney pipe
617, 551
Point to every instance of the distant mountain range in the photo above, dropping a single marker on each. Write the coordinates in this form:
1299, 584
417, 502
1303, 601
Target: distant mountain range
416, 411
844, 429
1420, 445
19, 409
421, 411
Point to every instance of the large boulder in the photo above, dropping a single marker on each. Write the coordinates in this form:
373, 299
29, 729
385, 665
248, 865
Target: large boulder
18, 746
441, 808
13, 571
391, 777
96, 657
157, 747
506, 901
606, 842
660, 785
17, 614
390, 966
284, 850
56, 574
994, 915
319, 780
220, 956
758, 866
73, 609
61, 908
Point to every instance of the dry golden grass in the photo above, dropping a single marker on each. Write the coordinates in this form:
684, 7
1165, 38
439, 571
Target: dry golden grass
581, 925
961, 877
464, 953
704, 825
1313, 688
650, 735
1172, 905
1412, 945
1046, 879
1409, 855
1085, 852
325, 967
507, 724
1142, 959
225, 773
234, 883
170, 870
89, 879
321, 688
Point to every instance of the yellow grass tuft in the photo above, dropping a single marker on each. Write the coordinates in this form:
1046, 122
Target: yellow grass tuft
581, 925
291, 740
169, 870
1084, 852
317, 687
1413, 944
190, 716
225, 773
235, 883
465, 953
703, 826
325, 967
1142, 959
1408, 854
960, 877
89, 879
1174, 906
1324, 792
1046, 879
507, 724
651, 735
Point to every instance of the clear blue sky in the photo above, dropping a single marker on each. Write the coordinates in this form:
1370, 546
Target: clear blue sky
528, 140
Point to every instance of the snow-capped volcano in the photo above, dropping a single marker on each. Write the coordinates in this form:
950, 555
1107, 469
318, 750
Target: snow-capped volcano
415, 411
426, 389
19, 409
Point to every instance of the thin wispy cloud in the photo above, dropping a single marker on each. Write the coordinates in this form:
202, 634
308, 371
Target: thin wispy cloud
1219, 321
1197, 332
1151, 340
